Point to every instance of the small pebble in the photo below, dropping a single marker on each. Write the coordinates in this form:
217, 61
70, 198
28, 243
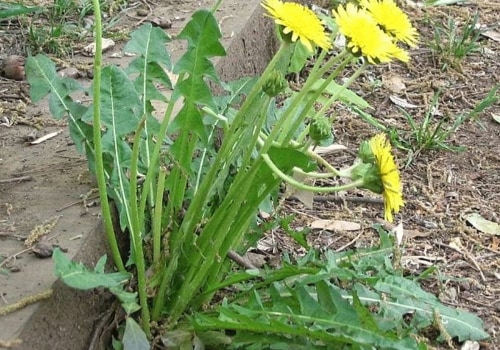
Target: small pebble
70, 72
142, 12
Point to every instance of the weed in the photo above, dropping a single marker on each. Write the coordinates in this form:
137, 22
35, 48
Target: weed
60, 25
432, 134
453, 43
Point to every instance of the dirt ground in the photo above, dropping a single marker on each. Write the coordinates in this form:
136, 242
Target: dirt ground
440, 187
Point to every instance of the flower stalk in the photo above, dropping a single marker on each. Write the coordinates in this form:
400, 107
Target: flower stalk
99, 162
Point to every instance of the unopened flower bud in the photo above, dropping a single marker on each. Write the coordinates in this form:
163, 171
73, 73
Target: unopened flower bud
274, 84
320, 129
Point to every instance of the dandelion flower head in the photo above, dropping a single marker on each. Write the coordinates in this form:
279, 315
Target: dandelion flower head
389, 175
392, 20
300, 22
365, 37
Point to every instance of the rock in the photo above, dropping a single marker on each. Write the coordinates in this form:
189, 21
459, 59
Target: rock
70, 72
13, 67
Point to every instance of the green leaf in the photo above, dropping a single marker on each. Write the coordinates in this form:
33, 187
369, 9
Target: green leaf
134, 337
345, 95
76, 275
44, 80
149, 42
299, 58
121, 107
128, 300
408, 297
288, 158
202, 34
8, 9
296, 314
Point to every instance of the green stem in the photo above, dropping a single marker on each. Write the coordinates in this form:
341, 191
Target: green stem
334, 97
157, 218
231, 142
288, 134
304, 187
283, 124
99, 162
153, 165
218, 230
136, 229
212, 237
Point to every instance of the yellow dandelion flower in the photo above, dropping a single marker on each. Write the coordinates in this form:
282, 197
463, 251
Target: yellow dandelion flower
300, 22
364, 36
389, 175
392, 20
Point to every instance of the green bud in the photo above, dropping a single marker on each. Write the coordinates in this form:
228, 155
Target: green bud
370, 175
320, 129
274, 84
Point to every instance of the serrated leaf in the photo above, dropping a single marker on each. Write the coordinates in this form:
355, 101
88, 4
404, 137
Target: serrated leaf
146, 81
128, 300
43, 79
202, 34
149, 42
407, 296
134, 337
295, 314
78, 276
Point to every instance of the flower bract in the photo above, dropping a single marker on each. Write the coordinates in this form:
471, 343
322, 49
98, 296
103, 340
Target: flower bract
389, 175
392, 20
364, 36
299, 22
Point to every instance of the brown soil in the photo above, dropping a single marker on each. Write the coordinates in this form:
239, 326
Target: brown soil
440, 187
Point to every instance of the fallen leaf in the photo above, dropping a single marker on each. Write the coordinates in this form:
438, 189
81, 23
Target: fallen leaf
456, 244
496, 117
335, 225
492, 34
483, 225
305, 197
401, 102
398, 231
45, 137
